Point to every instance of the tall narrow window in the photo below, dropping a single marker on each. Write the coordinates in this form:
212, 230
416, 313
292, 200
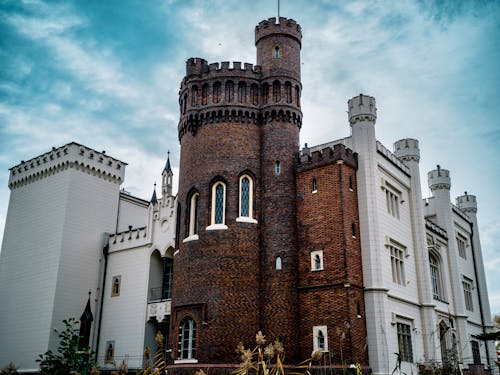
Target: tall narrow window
187, 339
314, 184
216, 92
254, 93
353, 229
184, 103
476, 354
404, 342
467, 285
265, 93
109, 356
116, 286
193, 214
242, 92
218, 206
317, 260
278, 263
276, 52
204, 94
177, 225
278, 167
288, 91
461, 241
246, 198
437, 290
297, 95
167, 264
397, 264
276, 91
229, 97
194, 96
350, 183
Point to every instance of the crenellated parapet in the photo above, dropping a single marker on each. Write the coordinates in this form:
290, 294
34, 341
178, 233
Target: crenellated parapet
71, 155
362, 108
328, 155
270, 27
407, 150
439, 179
467, 203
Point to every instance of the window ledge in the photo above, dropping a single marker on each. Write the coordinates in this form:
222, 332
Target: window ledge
314, 192
317, 269
216, 227
194, 237
245, 219
179, 361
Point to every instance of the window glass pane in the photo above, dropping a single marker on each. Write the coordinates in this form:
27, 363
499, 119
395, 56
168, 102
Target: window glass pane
219, 204
245, 197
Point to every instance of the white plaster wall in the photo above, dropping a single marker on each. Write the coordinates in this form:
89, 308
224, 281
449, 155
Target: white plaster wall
29, 262
124, 316
131, 213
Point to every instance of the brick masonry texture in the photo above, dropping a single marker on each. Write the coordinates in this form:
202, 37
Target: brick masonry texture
245, 119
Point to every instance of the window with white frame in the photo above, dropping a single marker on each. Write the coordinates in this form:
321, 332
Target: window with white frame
404, 342
246, 199
109, 355
187, 339
116, 286
279, 263
467, 285
218, 212
435, 269
193, 214
320, 338
397, 263
317, 260
393, 199
314, 184
461, 244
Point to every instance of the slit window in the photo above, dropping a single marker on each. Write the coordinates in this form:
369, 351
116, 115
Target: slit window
278, 167
279, 264
276, 52
116, 286
314, 185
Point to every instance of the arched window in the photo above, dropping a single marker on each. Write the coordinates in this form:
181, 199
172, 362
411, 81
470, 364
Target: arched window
194, 96
204, 94
297, 95
216, 92
184, 103
276, 91
320, 338
276, 52
218, 214
278, 167
288, 91
314, 185
321, 341
246, 197
242, 92
229, 97
254, 93
435, 268
187, 339
265, 93
278, 263
317, 260
353, 229
193, 214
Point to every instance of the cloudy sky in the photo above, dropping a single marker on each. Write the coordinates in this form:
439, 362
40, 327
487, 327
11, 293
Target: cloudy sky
106, 74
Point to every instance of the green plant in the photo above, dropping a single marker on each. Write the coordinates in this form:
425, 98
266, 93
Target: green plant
68, 359
268, 360
10, 369
159, 364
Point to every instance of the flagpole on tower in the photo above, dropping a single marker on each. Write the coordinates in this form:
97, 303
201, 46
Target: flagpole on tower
278, 10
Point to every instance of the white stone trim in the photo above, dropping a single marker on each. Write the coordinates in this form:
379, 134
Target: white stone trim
194, 237
316, 330
179, 361
244, 219
216, 227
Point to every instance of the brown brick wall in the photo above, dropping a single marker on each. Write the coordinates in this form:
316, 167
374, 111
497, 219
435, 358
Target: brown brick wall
334, 295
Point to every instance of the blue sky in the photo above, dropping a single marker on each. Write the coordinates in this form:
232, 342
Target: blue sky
106, 74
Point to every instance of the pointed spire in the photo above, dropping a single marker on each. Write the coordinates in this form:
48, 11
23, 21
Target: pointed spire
154, 200
167, 164
87, 313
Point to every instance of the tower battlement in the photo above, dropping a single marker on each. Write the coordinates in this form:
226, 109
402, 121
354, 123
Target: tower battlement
328, 155
286, 26
200, 68
439, 179
467, 203
71, 155
362, 108
407, 150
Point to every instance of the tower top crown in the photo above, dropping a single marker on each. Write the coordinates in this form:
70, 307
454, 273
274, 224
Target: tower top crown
362, 108
407, 150
285, 26
439, 179
467, 203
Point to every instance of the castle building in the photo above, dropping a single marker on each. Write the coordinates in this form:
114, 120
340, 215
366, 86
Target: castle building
328, 247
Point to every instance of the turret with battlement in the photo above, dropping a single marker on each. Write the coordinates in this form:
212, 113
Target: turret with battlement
439, 179
362, 108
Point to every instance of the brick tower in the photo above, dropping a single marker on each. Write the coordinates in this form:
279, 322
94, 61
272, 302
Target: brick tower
235, 260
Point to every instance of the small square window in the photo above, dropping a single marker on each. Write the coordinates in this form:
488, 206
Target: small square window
116, 286
317, 260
